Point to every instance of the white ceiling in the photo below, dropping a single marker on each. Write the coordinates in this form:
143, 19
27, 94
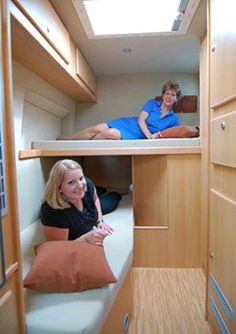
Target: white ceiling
150, 54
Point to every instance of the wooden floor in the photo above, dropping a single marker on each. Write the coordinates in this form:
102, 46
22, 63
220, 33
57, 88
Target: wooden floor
168, 301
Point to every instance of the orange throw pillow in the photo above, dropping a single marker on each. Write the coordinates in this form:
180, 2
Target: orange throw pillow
63, 266
181, 131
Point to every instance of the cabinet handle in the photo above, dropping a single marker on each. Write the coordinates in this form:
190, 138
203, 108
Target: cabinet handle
48, 29
213, 48
223, 125
2, 259
211, 254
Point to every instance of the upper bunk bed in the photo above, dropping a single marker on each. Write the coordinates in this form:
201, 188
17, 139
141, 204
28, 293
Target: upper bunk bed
53, 148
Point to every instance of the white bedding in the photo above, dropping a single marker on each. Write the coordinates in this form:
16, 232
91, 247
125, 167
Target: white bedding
76, 144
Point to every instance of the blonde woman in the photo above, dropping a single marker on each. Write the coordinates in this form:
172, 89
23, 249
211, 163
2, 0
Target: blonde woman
71, 207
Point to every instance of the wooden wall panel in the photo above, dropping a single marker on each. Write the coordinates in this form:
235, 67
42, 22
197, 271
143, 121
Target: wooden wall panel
150, 190
177, 244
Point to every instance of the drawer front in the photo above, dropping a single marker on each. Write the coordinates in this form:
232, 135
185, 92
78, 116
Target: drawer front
84, 72
45, 19
223, 139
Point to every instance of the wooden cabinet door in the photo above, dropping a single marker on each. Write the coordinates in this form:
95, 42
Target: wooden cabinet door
84, 72
223, 49
223, 257
11, 297
43, 16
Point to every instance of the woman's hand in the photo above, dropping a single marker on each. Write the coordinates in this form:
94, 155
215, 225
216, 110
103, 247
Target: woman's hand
96, 236
105, 227
156, 135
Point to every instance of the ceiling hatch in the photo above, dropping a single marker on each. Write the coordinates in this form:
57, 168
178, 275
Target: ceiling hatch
119, 18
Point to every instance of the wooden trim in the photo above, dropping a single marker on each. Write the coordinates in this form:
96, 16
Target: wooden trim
10, 156
222, 102
27, 154
151, 227
220, 163
223, 196
122, 305
5, 297
11, 270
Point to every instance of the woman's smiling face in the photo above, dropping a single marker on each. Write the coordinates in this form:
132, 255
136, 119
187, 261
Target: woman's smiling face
169, 98
73, 185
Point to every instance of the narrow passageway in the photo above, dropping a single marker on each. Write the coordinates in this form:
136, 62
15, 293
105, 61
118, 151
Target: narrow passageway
168, 301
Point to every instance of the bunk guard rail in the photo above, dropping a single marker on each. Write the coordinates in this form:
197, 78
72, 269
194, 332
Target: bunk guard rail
2, 259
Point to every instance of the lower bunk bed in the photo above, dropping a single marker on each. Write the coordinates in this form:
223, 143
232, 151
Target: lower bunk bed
102, 310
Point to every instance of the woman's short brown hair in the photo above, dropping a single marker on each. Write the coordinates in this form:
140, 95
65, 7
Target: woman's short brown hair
52, 194
172, 86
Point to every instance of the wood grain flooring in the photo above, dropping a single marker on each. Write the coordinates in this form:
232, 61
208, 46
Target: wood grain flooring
168, 301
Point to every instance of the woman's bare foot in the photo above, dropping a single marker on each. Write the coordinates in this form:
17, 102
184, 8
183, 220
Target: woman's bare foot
63, 138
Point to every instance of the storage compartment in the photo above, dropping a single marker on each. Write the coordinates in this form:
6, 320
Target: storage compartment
223, 50
43, 16
222, 255
84, 72
223, 136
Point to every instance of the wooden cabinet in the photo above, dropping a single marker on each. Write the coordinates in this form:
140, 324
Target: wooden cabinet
222, 246
223, 138
223, 50
43, 16
41, 43
166, 200
84, 71
11, 295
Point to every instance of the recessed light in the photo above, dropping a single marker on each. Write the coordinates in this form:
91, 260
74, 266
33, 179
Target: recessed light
127, 50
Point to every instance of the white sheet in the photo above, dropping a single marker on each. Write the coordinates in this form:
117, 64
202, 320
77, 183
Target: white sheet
76, 144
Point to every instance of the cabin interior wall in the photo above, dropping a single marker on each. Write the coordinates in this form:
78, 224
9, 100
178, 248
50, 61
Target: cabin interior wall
39, 110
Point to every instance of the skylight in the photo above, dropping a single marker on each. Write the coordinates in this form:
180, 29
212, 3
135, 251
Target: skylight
119, 17
114, 18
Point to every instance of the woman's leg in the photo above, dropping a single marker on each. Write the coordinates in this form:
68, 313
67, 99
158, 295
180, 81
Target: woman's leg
87, 133
109, 133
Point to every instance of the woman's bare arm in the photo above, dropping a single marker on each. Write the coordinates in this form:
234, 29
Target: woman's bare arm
143, 115
101, 224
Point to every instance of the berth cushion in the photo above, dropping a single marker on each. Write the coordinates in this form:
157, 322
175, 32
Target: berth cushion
180, 132
62, 266
84, 311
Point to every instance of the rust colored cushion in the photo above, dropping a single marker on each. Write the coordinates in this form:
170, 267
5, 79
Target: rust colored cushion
63, 266
180, 132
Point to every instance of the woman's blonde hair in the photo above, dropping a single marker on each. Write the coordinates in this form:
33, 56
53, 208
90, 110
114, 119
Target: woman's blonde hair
172, 86
52, 194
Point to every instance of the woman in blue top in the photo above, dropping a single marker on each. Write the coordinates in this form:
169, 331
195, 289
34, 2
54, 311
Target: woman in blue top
154, 117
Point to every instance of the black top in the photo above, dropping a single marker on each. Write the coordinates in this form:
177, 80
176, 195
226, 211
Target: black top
78, 222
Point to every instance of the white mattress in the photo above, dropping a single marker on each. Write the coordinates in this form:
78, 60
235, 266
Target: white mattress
80, 312
77, 144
